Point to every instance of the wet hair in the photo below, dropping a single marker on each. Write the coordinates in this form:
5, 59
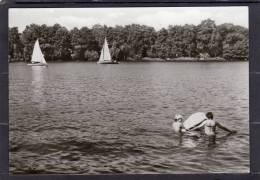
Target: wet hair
209, 115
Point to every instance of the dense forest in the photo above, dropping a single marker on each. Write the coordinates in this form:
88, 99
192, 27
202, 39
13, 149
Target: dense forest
131, 42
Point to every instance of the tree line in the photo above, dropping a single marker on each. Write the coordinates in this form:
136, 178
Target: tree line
131, 42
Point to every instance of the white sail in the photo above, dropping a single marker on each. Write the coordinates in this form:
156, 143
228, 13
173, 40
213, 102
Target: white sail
37, 56
105, 54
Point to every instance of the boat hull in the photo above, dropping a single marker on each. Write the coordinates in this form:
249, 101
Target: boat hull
108, 62
37, 64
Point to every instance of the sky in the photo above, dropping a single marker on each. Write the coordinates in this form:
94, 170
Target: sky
157, 17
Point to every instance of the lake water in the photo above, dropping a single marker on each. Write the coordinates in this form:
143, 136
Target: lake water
85, 118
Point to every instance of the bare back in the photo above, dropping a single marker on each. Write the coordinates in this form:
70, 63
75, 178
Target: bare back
210, 127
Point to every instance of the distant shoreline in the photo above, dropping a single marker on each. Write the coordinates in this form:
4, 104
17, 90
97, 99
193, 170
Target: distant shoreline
149, 59
189, 59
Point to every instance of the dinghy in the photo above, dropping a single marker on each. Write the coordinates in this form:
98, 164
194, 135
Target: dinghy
105, 57
194, 120
37, 56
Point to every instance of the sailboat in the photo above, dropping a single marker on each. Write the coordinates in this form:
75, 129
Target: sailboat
105, 57
37, 56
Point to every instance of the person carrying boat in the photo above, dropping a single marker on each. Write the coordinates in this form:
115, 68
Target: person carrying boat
210, 126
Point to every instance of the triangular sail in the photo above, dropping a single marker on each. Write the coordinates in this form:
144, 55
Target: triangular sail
105, 54
37, 56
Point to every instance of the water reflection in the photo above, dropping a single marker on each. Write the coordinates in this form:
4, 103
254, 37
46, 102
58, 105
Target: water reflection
197, 139
38, 74
189, 140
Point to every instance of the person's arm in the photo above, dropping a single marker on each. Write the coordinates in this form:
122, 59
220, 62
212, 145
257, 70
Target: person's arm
224, 128
183, 129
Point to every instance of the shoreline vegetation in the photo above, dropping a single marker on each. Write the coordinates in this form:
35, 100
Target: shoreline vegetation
149, 59
133, 43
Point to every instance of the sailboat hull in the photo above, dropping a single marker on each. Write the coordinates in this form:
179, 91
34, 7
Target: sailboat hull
37, 64
108, 62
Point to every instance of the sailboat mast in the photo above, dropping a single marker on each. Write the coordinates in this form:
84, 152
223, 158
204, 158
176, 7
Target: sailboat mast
103, 49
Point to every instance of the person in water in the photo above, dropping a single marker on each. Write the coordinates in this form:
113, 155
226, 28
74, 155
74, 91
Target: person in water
177, 125
210, 125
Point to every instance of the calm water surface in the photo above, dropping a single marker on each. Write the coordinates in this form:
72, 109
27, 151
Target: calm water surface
85, 118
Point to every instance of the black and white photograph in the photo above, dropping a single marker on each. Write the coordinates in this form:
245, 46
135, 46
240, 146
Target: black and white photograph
128, 90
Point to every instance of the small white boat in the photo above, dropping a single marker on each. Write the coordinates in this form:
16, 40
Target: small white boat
195, 120
37, 56
105, 57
